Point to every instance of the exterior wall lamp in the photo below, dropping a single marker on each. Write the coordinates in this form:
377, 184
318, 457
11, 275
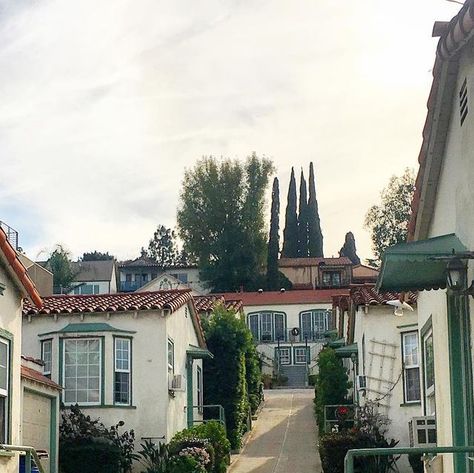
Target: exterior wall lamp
456, 274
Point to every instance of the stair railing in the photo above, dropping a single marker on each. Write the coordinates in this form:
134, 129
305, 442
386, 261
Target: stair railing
30, 453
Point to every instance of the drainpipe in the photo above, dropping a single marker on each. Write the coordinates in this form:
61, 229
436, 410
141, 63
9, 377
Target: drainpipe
190, 390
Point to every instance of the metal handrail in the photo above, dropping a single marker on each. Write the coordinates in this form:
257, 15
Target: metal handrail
29, 451
221, 410
375, 452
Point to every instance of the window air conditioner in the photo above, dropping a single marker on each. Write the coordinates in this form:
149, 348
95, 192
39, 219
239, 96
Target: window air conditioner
422, 431
176, 382
361, 382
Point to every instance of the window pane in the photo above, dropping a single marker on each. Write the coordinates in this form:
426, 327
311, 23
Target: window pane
429, 362
82, 370
280, 326
122, 388
253, 325
320, 323
46, 355
412, 384
266, 326
300, 355
306, 331
170, 354
284, 356
410, 349
3, 366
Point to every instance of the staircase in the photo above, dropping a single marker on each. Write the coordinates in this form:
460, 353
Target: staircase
297, 375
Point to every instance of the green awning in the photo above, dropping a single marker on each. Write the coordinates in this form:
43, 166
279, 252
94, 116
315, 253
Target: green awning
347, 351
336, 343
199, 353
87, 328
330, 333
411, 267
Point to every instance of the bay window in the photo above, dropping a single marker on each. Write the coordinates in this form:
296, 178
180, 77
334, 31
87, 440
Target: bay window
411, 367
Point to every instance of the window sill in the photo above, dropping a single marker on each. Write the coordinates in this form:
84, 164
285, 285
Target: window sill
408, 404
7, 455
106, 406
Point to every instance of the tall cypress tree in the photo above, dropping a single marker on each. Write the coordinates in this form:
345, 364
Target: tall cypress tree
303, 219
315, 235
290, 233
274, 239
349, 248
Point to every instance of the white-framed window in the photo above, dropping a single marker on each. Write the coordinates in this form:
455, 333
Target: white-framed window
429, 373
200, 399
4, 389
313, 324
411, 367
300, 355
170, 355
267, 326
87, 289
284, 355
82, 365
123, 370
47, 356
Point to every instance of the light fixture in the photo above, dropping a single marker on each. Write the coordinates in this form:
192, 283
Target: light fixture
456, 274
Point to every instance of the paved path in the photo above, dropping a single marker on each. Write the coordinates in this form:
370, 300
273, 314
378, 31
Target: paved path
284, 436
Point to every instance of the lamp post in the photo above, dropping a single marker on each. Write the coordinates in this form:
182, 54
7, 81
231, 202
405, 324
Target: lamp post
456, 274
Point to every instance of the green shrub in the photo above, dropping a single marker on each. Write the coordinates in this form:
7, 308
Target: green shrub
214, 433
185, 464
155, 458
332, 384
312, 379
333, 448
93, 456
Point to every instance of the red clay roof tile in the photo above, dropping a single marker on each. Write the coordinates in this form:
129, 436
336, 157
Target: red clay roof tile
33, 375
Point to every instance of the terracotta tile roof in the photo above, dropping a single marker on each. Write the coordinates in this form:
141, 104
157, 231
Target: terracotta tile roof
454, 36
19, 269
287, 297
291, 262
36, 376
363, 272
362, 295
120, 302
206, 303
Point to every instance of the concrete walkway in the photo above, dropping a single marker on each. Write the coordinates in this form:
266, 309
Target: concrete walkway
284, 436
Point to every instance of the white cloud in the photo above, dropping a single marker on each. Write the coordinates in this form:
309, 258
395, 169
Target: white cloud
103, 105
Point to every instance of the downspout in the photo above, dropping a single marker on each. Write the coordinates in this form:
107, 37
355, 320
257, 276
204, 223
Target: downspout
190, 390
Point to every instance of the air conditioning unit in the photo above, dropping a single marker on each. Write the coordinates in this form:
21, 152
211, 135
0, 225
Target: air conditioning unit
361, 382
176, 382
422, 431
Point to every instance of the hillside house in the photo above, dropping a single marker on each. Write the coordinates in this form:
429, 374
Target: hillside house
94, 277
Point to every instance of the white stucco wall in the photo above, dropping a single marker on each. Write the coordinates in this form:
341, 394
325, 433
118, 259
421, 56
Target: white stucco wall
453, 213
154, 413
381, 325
10, 321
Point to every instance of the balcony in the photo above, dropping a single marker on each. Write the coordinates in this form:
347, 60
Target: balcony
130, 286
12, 235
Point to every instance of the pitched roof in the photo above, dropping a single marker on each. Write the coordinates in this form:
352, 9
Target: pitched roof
18, 269
367, 295
291, 262
33, 375
120, 302
145, 261
454, 36
320, 296
93, 270
207, 303
363, 272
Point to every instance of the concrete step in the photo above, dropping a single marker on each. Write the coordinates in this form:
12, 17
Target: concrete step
296, 375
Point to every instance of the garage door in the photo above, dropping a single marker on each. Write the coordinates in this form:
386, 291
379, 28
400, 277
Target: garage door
36, 423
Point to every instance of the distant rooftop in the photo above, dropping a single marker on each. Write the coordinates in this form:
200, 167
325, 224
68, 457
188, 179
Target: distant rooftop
292, 262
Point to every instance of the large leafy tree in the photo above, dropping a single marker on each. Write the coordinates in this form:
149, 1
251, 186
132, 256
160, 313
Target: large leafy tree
163, 248
388, 221
290, 232
315, 234
274, 239
221, 220
60, 264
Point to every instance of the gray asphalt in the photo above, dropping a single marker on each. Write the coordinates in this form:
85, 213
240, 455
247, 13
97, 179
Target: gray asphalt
284, 437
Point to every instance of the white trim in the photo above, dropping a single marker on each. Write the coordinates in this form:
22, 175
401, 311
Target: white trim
122, 370
43, 343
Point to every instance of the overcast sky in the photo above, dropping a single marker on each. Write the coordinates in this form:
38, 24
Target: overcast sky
104, 103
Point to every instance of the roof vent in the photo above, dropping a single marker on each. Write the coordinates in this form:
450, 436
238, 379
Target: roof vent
282, 289
260, 290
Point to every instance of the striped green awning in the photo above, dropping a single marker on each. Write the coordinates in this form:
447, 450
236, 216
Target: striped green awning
199, 353
413, 266
88, 328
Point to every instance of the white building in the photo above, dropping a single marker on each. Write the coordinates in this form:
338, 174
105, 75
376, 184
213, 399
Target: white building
94, 277
442, 237
131, 357
383, 354
15, 285
288, 328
